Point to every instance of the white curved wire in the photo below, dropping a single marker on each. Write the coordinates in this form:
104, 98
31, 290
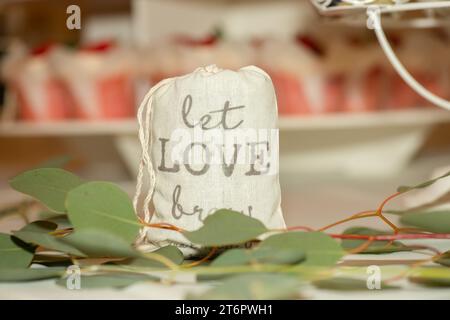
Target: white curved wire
374, 14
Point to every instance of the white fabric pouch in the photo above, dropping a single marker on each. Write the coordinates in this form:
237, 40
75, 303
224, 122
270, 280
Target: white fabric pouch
209, 141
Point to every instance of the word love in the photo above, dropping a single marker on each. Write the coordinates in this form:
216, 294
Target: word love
198, 157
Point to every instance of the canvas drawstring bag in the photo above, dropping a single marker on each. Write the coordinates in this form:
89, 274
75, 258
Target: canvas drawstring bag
209, 141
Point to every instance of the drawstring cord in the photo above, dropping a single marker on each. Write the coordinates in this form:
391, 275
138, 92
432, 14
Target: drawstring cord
144, 116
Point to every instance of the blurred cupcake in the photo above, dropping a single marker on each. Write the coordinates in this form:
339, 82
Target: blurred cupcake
358, 66
234, 54
101, 79
40, 93
297, 74
162, 61
416, 50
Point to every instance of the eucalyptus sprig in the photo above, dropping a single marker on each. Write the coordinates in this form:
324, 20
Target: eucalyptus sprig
93, 225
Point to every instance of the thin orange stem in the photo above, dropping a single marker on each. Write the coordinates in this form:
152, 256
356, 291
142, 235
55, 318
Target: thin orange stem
389, 223
385, 201
61, 232
161, 225
362, 247
353, 217
205, 258
379, 212
415, 230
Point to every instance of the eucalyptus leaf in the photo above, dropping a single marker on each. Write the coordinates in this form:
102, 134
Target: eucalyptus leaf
96, 243
38, 233
109, 280
39, 226
13, 254
320, 249
170, 252
433, 221
226, 227
48, 185
46, 215
45, 258
347, 284
376, 247
30, 274
425, 184
429, 206
62, 221
444, 259
236, 257
258, 286
431, 276
104, 207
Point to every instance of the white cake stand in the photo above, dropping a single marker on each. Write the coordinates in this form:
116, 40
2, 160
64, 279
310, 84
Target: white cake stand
374, 12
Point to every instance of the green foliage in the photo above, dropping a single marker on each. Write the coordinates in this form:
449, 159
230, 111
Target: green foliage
226, 227
48, 185
94, 224
431, 276
433, 221
37, 233
444, 259
376, 247
102, 206
30, 274
13, 253
320, 249
258, 286
96, 243
236, 257
170, 252
118, 280
422, 185
347, 284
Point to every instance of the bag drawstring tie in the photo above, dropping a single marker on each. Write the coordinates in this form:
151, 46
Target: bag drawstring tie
144, 116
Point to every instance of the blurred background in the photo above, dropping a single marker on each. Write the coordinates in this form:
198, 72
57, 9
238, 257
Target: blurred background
350, 129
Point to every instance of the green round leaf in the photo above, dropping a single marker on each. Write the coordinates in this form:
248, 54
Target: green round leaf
38, 233
376, 247
39, 226
320, 249
226, 227
431, 276
347, 284
425, 184
433, 221
109, 280
104, 207
259, 286
13, 253
444, 259
97, 243
170, 252
27, 274
48, 185
236, 257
